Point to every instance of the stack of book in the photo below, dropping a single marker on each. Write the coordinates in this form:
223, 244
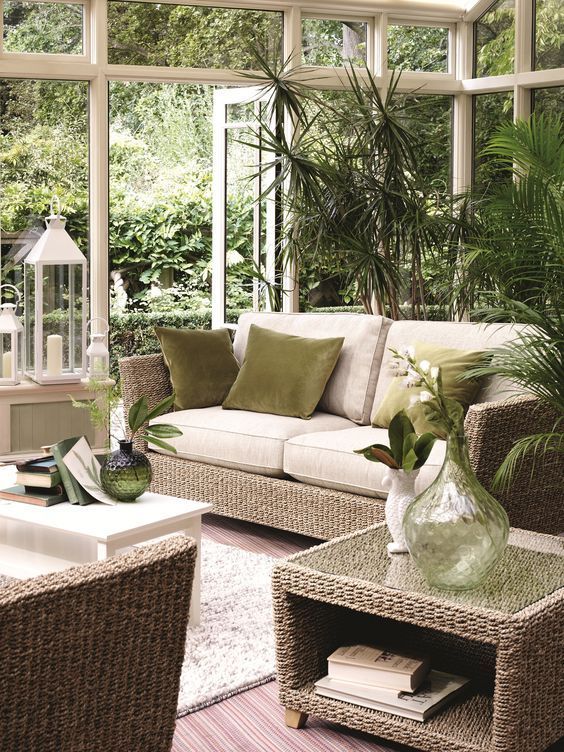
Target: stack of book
390, 682
39, 483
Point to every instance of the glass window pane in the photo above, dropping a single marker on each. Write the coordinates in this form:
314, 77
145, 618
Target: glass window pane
494, 40
328, 42
191, 36
160, 196
418, 48
490, 111
43, 151
33, 27
550, 100
549, 34
430, 118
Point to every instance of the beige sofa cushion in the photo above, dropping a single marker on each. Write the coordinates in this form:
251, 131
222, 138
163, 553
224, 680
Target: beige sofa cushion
327, 459
350, 390
459, 335
253, 442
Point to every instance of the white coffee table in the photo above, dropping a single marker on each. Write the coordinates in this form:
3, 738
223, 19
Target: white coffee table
36, 540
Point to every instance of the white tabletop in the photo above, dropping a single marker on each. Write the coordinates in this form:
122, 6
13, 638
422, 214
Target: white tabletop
105, 522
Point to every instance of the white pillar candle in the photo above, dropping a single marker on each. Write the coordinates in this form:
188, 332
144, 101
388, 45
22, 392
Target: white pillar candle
54, 355
7, 365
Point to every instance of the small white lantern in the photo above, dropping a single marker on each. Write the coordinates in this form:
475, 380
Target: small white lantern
97, 353
55, 306
11, 342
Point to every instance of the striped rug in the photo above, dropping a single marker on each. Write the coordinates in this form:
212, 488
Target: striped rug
254, 721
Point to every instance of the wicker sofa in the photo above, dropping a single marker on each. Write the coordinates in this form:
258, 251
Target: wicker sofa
303, 475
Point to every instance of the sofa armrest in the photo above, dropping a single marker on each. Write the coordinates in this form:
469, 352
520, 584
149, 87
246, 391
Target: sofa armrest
144, 376
534, 498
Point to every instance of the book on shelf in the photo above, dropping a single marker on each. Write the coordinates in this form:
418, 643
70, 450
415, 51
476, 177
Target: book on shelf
40, 497
38, 480
367, 664
43, 464
437, 690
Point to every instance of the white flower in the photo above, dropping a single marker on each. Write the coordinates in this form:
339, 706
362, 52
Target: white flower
414, 400
407, 351
425, 396
424, 366
435, 373
412, 378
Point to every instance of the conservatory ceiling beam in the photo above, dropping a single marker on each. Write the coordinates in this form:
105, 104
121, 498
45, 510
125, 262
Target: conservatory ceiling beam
440, 9
474, 10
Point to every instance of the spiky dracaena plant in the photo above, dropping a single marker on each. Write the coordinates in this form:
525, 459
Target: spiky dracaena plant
522, 259
347, 180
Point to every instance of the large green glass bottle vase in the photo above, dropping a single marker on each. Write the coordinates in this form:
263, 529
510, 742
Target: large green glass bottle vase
455, 530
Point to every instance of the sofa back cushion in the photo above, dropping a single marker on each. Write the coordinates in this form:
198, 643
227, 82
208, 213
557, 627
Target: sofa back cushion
283, 374
350, 390
459, 335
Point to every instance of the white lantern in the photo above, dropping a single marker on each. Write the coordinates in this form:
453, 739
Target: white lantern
11, 342
55, 306
97, 353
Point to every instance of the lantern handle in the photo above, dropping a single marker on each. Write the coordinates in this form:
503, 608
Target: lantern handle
52, 206
99, 318
18, 293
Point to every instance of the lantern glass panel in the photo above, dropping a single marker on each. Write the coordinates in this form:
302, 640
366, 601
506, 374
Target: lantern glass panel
77, 320
62, 316
6, 355
29, 272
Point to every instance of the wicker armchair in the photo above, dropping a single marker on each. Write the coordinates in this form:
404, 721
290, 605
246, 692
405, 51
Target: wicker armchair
91, 656
533, 502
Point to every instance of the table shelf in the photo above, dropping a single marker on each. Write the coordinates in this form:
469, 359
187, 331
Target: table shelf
471, 718
23, 563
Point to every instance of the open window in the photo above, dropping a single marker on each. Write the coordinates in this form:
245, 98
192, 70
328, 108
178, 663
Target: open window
244, 273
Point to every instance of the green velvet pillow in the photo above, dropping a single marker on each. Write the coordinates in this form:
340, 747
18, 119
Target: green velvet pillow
201, 364
452, 364
283, 374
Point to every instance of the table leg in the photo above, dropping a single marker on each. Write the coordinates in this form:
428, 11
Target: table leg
104, 550
193, 529
295, 718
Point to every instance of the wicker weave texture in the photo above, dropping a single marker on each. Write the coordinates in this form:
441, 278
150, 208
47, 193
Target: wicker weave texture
533, 502
91, 656
515, 660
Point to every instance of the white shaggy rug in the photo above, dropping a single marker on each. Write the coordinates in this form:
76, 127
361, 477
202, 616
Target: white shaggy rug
233, 648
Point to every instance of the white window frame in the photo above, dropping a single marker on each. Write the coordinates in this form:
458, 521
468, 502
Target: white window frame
434, 23
50, 56
93, 67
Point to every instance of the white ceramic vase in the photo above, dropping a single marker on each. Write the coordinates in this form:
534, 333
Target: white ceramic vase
401, 492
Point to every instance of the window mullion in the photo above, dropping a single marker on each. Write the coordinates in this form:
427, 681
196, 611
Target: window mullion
99, 156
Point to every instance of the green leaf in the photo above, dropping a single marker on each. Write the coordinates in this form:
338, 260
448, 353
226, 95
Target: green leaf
157, 442
378, 453
137, 414
408, 456
163, 431
162, 407
400, 427
409, 461
423, 447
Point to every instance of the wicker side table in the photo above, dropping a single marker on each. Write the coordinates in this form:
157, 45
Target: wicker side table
506, 635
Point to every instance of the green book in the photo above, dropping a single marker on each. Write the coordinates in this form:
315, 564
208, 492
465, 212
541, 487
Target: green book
36, 497
75, 492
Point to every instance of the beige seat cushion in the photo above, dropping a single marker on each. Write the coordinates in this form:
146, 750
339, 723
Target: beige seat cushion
350, 390
327, 459
240, 439
458, 335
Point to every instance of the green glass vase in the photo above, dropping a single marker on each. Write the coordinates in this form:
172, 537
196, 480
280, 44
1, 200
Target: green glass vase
455, 530
126, 473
